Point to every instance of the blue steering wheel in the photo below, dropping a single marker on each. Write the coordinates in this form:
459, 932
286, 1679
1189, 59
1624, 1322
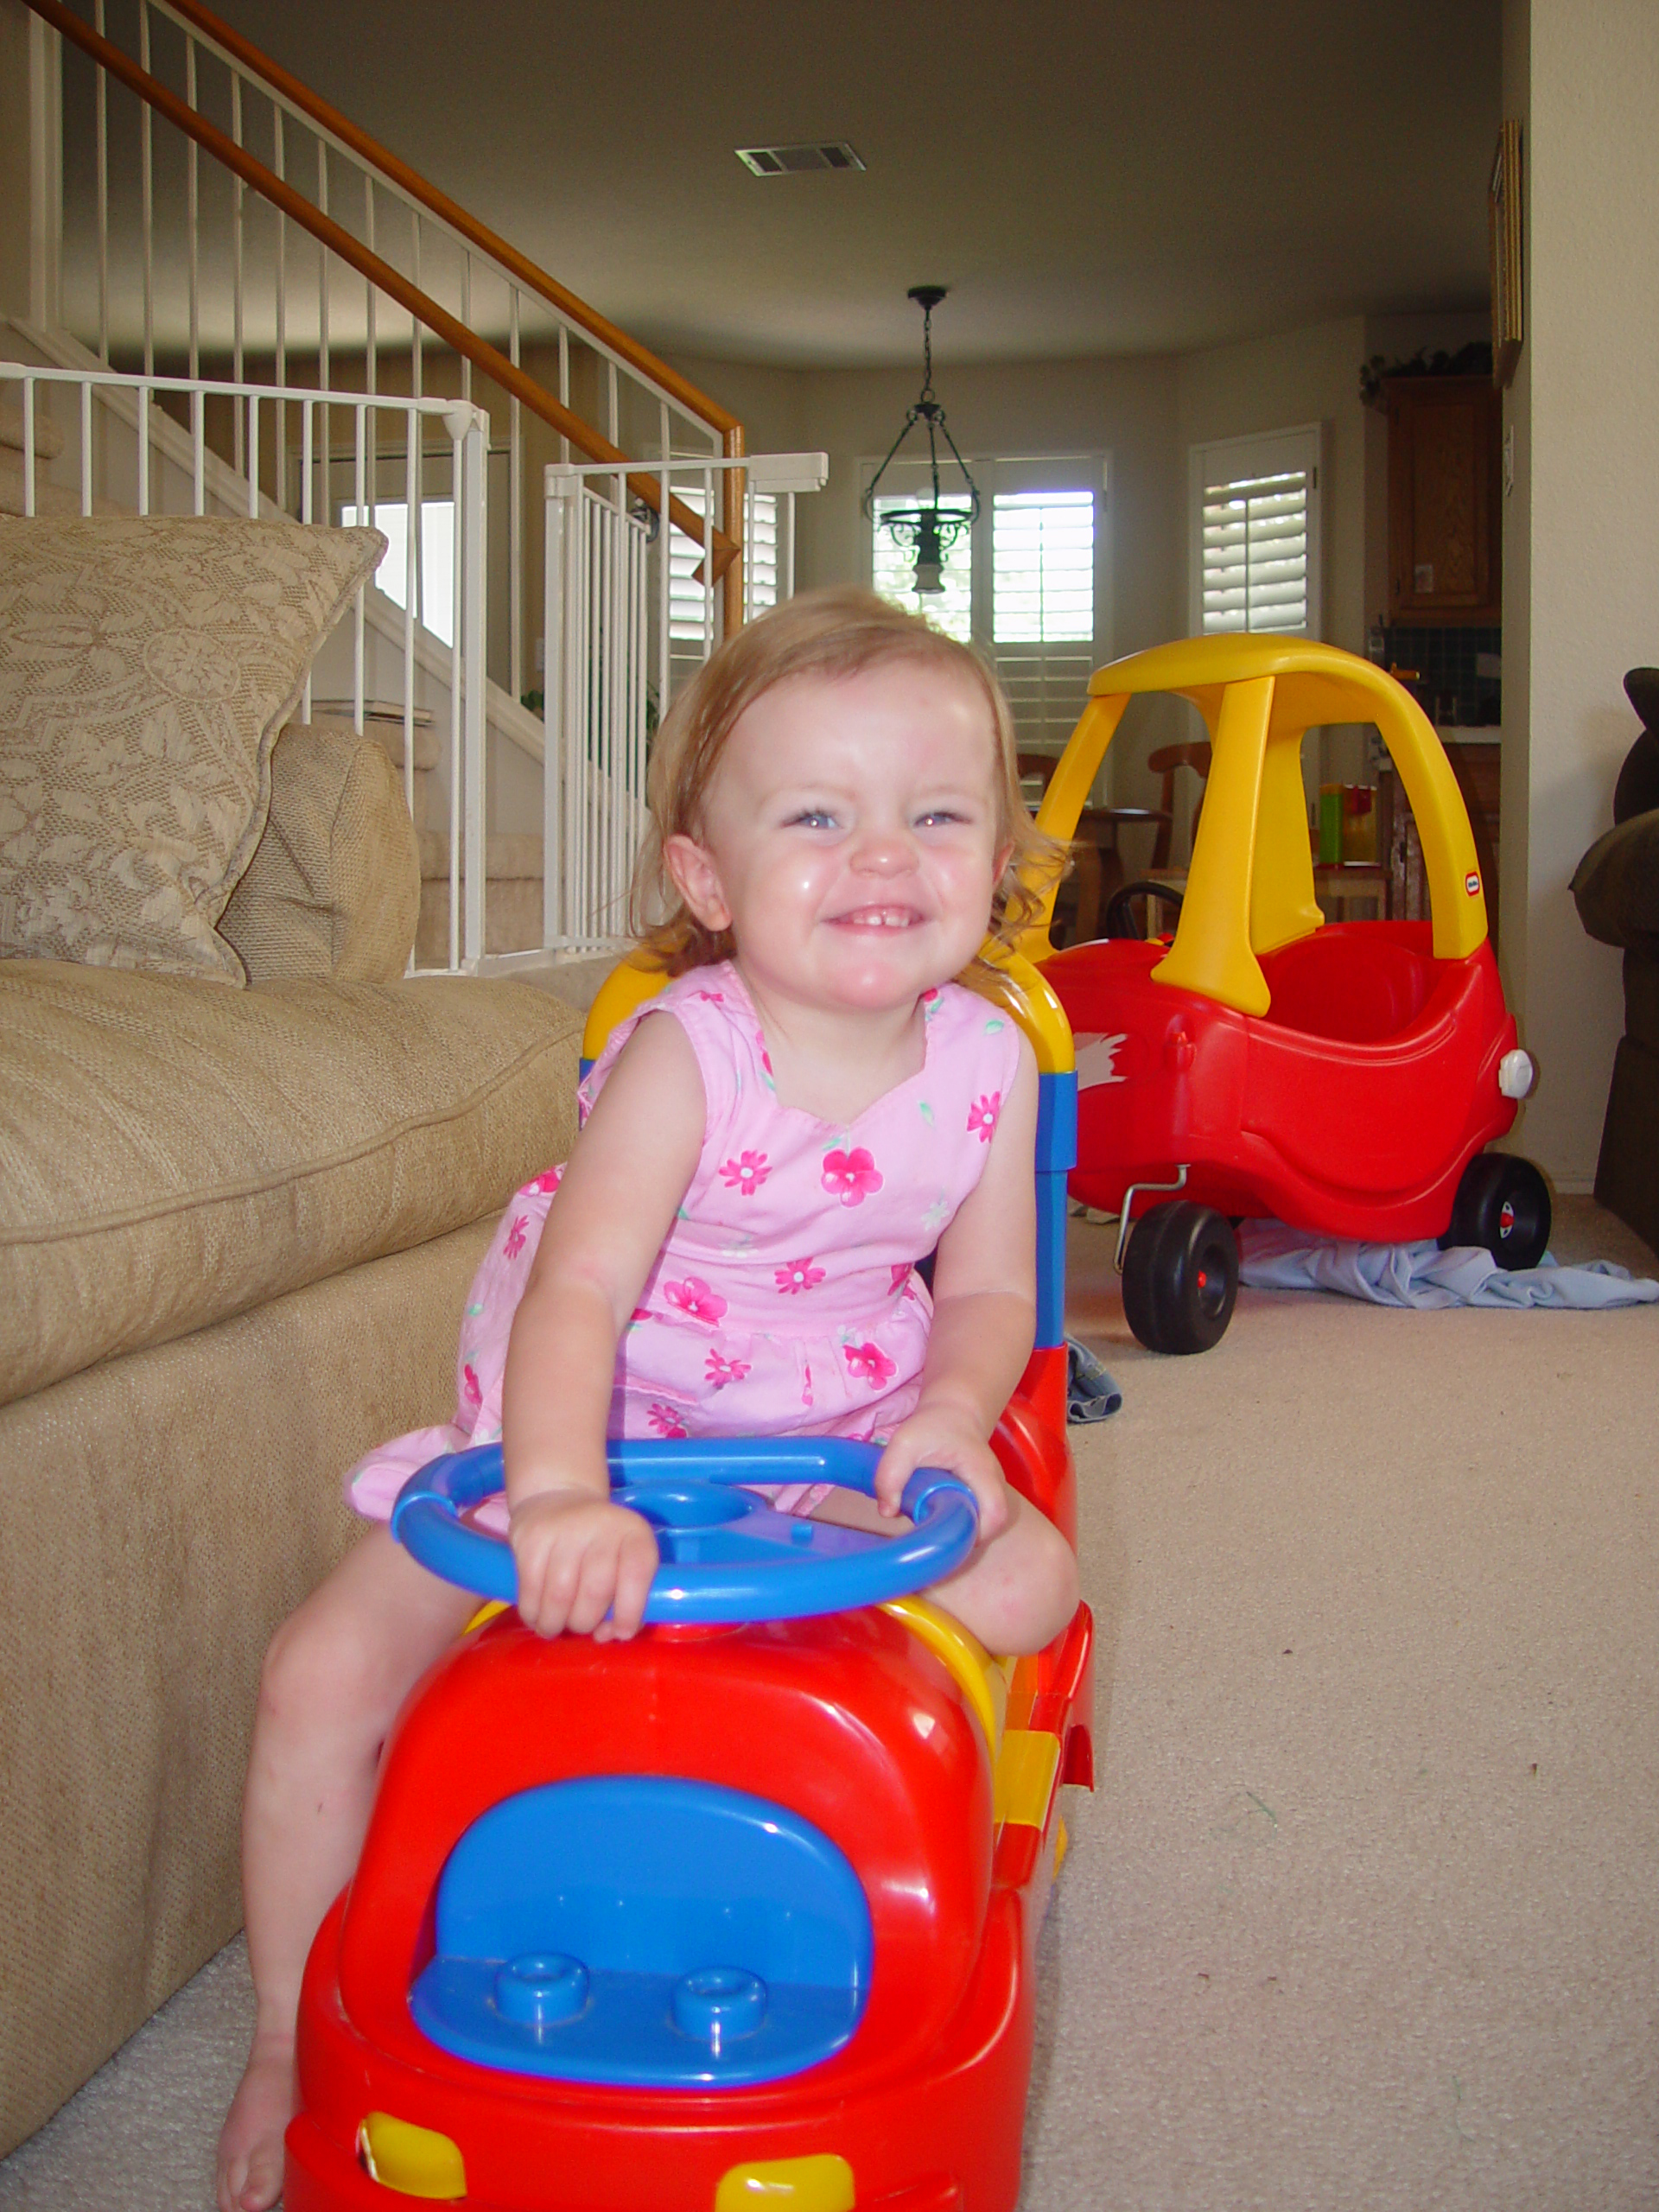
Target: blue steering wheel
727, 1554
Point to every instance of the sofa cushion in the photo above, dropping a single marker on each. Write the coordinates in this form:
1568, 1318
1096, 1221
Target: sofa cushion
170, 1155
333, 887
146, 663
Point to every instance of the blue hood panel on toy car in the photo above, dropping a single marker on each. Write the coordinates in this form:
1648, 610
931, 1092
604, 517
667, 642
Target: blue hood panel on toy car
648, 1931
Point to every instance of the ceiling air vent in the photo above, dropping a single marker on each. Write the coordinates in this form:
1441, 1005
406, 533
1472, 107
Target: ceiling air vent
795, 161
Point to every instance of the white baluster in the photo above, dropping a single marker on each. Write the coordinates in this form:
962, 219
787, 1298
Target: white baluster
147, 194
515, 532
29, 448
360, 414
238, 192
102, 111
191, 150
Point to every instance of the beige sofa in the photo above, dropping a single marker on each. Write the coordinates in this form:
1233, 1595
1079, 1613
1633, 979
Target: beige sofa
237, 1227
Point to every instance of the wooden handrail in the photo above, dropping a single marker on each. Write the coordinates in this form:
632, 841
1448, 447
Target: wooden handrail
426, 311
534, 279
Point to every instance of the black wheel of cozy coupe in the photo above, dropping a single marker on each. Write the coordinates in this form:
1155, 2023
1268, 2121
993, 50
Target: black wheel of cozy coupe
1120, 918
1503, 1205
1180, 1277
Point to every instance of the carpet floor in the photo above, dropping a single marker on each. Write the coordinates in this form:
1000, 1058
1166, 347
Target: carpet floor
1365, 1910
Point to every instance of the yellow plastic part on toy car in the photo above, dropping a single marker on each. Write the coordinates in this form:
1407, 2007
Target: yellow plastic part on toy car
1249, 888
415, 2161
1012, 981
819, 2182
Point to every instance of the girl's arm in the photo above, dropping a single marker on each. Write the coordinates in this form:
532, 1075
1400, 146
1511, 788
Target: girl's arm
984, 1320
579, 1556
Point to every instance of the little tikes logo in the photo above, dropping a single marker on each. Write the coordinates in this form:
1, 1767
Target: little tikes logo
1472, 884
1096, 1058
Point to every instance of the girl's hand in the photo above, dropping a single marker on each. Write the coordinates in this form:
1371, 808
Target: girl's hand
580, 1558
947, 1437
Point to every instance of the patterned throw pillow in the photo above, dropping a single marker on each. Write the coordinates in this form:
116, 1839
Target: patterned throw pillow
146, 664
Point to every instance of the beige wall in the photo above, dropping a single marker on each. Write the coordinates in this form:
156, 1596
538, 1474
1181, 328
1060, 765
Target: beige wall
1273, 384
1124, 408
1581, 529
31, 130
1277, 383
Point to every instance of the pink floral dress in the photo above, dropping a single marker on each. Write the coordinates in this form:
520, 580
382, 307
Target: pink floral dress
786, 1301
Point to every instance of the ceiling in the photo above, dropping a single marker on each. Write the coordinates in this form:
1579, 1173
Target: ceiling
1120, 177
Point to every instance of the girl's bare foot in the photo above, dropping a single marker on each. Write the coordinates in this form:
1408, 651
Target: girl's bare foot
250, 2141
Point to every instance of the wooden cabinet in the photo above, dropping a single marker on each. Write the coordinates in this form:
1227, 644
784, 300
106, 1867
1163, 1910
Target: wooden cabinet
1445, 527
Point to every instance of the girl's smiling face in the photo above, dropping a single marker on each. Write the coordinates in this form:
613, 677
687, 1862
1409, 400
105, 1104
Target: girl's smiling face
849, 835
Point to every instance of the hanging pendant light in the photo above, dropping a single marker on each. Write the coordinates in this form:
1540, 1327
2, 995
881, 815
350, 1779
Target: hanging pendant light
929, 531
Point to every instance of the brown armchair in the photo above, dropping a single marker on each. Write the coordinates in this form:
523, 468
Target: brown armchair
1617, 891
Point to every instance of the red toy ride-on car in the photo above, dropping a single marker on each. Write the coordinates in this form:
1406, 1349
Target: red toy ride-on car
741, 1914
1345, 1078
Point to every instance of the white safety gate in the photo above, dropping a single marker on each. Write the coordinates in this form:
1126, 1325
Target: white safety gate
627, 621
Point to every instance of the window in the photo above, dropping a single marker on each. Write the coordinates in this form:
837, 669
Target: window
1042, 607
1253, 531
437, 569
685, 593
894, 566
687, 607
1026, 584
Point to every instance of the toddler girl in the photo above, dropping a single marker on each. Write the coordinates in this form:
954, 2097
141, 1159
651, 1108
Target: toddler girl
808, 1108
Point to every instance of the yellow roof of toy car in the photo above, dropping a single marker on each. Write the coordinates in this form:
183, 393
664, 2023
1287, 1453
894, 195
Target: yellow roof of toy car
1249, 887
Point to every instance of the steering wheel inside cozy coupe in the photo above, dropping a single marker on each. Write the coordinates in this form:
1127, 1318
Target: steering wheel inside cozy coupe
727, 1554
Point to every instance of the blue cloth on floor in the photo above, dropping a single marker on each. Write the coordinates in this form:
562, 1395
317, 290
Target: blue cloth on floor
1275, 1257
1090, 1393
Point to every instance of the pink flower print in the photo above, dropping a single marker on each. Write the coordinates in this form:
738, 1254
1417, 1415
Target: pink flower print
852, 1175
798, 1274
901, 1274
982, 1115
515, 1244
720, 1371
549, 1179
664, 1420
870, 1364
470, 1388
747, 1172
695, 1298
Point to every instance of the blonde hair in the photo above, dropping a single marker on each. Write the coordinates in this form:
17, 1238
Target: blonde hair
833, 633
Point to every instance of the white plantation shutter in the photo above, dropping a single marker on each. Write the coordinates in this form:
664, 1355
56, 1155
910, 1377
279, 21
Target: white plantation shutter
1255, 535
1023, 585
685, 599
685, 593
1042, 607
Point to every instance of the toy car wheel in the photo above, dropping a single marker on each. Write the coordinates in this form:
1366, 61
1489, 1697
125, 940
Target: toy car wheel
1180, 1277
1501, 1205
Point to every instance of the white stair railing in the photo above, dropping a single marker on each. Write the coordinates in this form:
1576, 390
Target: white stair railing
626, 623
99, 441
322, 251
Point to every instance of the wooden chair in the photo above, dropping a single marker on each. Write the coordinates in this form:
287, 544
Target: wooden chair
1164, 762
1099, 866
